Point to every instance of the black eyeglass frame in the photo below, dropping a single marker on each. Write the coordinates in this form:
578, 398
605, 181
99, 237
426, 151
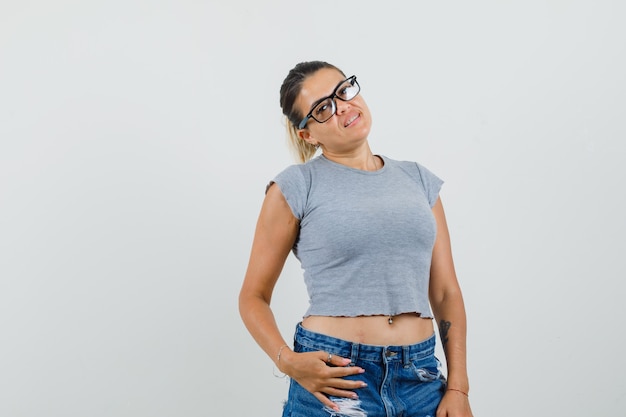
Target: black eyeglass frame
334, 95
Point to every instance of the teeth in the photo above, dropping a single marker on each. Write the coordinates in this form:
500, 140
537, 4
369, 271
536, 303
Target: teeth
351, 120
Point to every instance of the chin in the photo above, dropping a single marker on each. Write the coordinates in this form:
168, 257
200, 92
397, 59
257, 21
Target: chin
365, 129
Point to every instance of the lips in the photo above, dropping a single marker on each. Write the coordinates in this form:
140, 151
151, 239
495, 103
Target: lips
351, 120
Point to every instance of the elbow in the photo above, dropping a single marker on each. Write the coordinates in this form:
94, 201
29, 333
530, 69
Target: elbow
244, 304
446, 296
249, 302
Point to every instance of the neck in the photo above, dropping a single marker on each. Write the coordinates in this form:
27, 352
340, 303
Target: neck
363, 160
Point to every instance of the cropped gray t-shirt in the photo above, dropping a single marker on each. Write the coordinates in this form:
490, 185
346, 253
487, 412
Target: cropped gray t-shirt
366, 237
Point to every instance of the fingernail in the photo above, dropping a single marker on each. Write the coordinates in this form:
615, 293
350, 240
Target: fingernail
363, 384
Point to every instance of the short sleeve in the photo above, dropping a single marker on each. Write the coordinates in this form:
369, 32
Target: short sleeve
293, 185
431, 183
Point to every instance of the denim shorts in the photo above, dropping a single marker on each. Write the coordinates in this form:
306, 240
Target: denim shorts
401, 380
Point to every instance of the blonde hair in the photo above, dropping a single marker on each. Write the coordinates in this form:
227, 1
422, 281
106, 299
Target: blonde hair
301, 149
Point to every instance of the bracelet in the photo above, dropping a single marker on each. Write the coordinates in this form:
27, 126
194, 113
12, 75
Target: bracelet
458, 390
278, 360
279, 352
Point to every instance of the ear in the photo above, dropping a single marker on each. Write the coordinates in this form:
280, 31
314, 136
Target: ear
306, 136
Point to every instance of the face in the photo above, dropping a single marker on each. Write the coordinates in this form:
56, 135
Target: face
345, 130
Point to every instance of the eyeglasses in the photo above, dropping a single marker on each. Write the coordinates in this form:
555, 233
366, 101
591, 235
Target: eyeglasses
325, 108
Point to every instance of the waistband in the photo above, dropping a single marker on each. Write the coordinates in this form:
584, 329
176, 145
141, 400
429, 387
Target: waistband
358, 351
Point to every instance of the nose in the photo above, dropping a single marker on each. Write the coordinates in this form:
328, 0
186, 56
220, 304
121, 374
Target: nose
342, 106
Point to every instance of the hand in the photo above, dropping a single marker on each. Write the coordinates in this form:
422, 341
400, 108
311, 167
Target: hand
314, 374
454, 404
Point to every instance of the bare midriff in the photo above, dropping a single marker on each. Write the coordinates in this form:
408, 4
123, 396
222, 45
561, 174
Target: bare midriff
405, 329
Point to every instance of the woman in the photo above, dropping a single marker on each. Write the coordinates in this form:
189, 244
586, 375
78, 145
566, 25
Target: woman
371, 235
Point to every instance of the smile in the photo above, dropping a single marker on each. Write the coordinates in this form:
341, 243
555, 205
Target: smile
352, 119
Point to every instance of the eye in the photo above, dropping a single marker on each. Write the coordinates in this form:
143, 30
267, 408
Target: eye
346, 90
322, 108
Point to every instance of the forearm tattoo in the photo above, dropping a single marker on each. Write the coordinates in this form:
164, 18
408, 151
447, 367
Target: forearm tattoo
444, 326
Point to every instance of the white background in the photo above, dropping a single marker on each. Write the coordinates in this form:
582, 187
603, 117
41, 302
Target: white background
137, 137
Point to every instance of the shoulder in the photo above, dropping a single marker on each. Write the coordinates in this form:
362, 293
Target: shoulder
413, 168
430, 183
294, 183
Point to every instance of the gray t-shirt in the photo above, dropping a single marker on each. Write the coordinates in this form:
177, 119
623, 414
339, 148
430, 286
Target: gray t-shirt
366, 237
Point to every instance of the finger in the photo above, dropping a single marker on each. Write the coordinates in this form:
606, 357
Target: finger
336, 392
349, 370
326, 401
331, 359
345, 384
343, 371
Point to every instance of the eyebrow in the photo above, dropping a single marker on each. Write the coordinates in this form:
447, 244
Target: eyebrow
315, 103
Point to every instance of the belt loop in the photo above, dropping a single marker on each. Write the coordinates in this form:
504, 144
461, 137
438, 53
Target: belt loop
406, 355
354, 354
